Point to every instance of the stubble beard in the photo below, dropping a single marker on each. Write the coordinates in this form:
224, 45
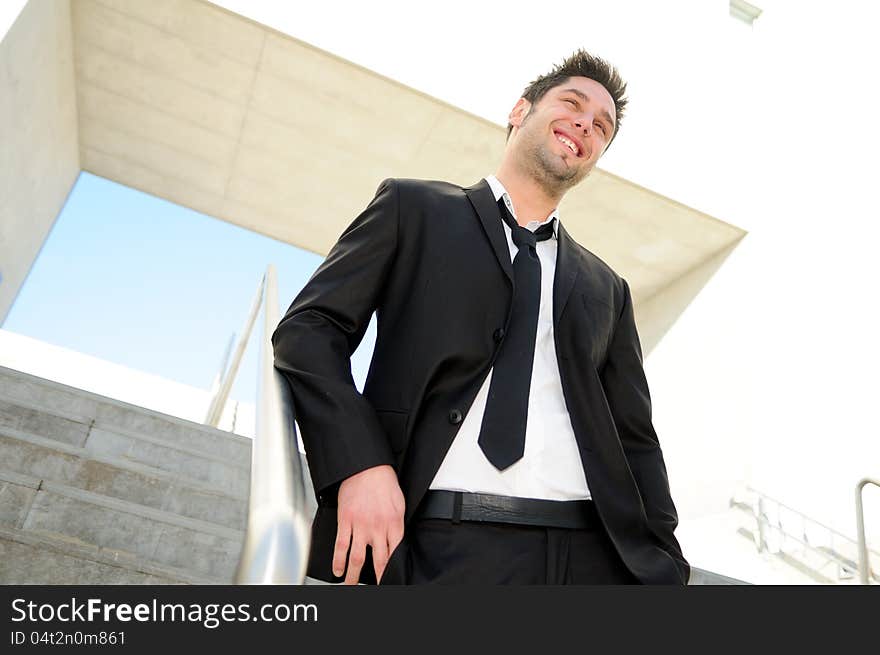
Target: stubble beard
547, 168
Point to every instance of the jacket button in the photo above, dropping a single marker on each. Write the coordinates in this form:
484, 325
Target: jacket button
455, 417
498, 335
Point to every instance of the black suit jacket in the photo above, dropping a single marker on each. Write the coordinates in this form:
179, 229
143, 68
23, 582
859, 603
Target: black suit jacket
432, 260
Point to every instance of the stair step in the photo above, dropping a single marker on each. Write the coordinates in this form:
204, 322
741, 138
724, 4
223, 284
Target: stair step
25, 418
44, 459
88, 409
16, 496
47, 395
76, 430
137, 532
46, 559
219, 469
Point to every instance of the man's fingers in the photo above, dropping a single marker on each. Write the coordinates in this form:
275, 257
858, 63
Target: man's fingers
395, 536
370, 514
356, 557
380, 556
340, 552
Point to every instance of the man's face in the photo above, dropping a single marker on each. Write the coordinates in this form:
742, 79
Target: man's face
560, 138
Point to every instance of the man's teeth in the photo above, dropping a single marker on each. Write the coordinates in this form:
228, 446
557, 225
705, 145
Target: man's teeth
568, 142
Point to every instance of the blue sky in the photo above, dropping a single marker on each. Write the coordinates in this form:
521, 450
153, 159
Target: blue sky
151, 285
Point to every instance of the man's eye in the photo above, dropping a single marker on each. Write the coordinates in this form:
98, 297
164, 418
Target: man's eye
601, 127
571, 101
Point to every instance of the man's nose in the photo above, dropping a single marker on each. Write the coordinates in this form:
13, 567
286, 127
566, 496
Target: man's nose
585, 124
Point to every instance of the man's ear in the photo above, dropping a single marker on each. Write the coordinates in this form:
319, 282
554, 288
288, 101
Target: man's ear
519, 112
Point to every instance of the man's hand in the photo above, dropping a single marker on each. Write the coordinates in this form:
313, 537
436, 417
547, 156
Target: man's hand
371, 509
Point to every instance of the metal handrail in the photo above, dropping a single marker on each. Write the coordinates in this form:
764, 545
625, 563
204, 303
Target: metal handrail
860, 524
278, 536
801, 514
217, 382
218, 401
829, 558
762, 520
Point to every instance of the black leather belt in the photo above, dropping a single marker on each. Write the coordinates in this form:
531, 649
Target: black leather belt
460, 506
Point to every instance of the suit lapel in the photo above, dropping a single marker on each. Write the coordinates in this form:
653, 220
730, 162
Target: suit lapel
567, 271
483, 201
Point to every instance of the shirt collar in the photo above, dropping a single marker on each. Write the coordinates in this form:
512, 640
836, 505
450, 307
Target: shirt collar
498, 190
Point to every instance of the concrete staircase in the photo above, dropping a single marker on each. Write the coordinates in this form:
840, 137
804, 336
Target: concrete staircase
97, 491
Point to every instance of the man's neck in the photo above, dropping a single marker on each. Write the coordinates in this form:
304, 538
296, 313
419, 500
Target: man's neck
531, 200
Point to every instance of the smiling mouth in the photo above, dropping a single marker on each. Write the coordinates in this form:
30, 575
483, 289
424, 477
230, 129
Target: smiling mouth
568, 143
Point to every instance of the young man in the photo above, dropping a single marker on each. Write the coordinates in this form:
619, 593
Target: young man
504, 434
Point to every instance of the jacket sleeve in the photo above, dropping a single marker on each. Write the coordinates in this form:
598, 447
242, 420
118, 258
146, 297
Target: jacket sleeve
626, 388
315, 339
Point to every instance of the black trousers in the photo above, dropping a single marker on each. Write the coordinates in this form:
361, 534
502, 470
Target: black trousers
438, 551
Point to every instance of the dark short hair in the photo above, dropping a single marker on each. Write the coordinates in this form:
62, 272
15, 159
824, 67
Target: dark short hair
581, 64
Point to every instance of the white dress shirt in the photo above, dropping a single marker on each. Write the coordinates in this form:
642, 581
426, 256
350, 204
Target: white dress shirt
551, 465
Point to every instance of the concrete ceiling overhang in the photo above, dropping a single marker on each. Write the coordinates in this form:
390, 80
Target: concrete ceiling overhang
194, 104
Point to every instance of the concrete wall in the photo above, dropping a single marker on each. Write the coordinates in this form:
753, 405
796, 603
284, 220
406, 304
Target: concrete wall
701, 377
769, 375
39, 157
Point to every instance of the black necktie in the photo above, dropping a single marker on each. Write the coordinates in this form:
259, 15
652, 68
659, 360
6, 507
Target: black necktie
503, 432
